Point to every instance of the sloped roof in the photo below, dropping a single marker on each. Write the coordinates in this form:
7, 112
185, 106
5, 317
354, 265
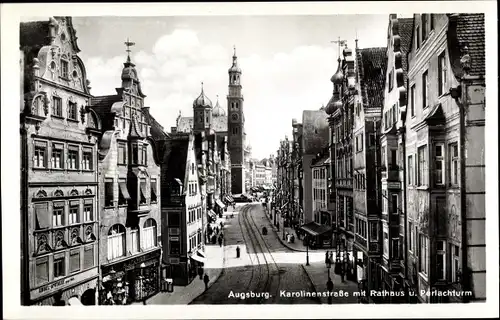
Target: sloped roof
157, 131
185, 124
175, 156
102, 106
34, 34
405, 33
315, 132
373, 64
470, 32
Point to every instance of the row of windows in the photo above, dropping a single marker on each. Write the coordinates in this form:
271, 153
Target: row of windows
139, 154
393, 158
77, 157
57, 107
441, 84
391, 116
193, 188
427, 25
344, 168
63, 264
361, 229
195, 240
140, 240
63, 213
360, 181
319, 194
319, 173
123, 194
439, 166
194, 215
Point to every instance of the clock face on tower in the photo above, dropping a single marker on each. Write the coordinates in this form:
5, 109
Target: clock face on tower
235, 117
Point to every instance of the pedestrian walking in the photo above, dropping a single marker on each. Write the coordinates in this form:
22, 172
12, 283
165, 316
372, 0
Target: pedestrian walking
342, 273
205, 279
237, 252
220, 241
221, 225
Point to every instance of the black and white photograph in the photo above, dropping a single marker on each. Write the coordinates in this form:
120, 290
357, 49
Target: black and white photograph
249, 156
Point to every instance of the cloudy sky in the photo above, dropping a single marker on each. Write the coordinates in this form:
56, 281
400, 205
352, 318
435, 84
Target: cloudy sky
286, 61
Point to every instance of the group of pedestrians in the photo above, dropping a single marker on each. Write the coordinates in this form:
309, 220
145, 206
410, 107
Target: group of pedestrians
217, 235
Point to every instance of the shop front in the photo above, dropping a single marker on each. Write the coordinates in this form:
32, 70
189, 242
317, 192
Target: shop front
197, 262
77, 289
320, 236
220, 207
133, 280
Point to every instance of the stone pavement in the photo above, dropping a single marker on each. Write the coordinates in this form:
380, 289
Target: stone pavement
318, 273
184, 295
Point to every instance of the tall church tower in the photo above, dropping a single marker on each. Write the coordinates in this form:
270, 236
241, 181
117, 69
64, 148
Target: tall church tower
236, 128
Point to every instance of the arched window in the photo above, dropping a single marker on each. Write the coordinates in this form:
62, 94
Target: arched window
149, 234
116, 241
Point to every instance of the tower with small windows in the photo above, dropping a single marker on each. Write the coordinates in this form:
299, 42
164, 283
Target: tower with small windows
236, 127
202, 112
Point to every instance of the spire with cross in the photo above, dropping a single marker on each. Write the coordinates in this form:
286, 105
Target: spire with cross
340, 43
129, 44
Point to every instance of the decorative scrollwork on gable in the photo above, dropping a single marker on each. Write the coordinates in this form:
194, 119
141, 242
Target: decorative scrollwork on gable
41, 194
75, 237
73, 192
88, 191
58, 193
89, 234
42, 243
59, 241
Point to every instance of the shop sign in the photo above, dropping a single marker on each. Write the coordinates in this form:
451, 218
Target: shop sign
174, 238
393, 185
62, 283
133, 263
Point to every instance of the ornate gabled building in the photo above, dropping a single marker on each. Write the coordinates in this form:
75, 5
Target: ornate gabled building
444, 156
129, 194
340, 110
59, 178
392, 266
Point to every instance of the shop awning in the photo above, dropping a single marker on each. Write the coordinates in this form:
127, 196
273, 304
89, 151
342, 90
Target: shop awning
315, 229
73, 301
124, 191
201, 253
42, 215
212, 214
196, 257
220, 204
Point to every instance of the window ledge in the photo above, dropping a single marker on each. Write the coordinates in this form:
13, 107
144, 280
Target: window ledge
73, 120
41, 168
73, 170
422, 188
57, 117
56, 169
87, 170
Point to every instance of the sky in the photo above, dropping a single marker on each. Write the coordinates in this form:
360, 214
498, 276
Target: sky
286, 63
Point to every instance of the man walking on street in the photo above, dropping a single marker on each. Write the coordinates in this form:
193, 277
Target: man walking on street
205, 279
220, 241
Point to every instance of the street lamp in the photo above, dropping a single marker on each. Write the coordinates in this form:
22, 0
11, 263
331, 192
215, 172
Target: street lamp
307, 248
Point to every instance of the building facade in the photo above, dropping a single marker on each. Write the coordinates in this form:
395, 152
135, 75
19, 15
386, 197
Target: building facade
445, 171
368, 103
129, 193
340, 110
392, 267
59, 179
314, 139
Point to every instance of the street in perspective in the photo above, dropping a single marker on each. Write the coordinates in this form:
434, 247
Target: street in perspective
185, 160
